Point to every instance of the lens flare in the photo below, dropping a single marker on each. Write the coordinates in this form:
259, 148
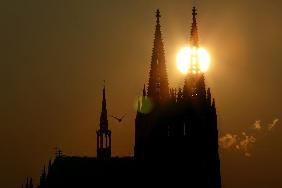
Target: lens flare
188, 59
143, 105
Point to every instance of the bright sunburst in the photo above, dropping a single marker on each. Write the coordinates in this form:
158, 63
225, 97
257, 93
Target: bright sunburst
186, 59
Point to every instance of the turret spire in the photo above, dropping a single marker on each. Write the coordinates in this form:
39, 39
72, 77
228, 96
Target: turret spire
30, 183
144, 91
209, 97
213, 103
43, 177
49, 166
27, 183
104, 134
104, 115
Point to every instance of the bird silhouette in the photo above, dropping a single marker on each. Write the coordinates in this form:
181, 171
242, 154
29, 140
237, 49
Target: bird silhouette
118, 119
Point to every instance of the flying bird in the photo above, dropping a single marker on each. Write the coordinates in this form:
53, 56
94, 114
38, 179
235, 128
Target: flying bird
118, 119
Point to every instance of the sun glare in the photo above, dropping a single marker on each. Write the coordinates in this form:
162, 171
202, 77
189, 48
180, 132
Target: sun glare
183, 59
188, 58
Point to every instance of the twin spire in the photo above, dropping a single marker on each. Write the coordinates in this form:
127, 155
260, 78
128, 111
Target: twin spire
194, 37
158, 88
194, 66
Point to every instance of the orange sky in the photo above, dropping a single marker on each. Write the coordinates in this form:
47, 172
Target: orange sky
55, 56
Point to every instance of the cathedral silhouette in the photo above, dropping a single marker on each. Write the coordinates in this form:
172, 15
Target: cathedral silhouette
176, 136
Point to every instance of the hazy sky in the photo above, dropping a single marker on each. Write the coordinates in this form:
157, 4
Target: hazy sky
55, 54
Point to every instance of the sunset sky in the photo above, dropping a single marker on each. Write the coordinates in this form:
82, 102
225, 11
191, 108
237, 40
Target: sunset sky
54, 56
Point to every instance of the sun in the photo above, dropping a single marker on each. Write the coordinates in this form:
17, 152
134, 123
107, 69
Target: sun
183, 59
188, 58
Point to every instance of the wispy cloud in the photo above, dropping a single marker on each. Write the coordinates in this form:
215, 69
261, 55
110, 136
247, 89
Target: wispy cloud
257, 125
228, 141
246, 142
273, 124
246, 139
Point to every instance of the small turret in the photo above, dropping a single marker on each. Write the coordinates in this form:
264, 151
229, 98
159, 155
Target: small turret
209, 97
144, 90
43, 177
49, 167
104, 134
213, 106
30, 183
213, 103
172, 95
179, 95
27, 183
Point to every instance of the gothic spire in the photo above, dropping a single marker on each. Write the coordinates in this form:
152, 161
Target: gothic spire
104, 134
194, 37
194, 43
30, 183
158, 88
104, 115
194, 82
213, 103
209, 97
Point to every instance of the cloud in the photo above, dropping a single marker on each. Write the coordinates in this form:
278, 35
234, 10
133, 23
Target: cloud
257, 125
228, 141
244, 141
273, 124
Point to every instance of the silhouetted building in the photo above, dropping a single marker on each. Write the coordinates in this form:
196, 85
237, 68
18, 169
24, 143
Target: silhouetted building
181, 127
104, 134
176, 137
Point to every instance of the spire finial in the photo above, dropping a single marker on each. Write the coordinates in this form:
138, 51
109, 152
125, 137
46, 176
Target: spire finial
194, 13
104, 83
194, 40
158, 15
104, 91
213, 103
103, 116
